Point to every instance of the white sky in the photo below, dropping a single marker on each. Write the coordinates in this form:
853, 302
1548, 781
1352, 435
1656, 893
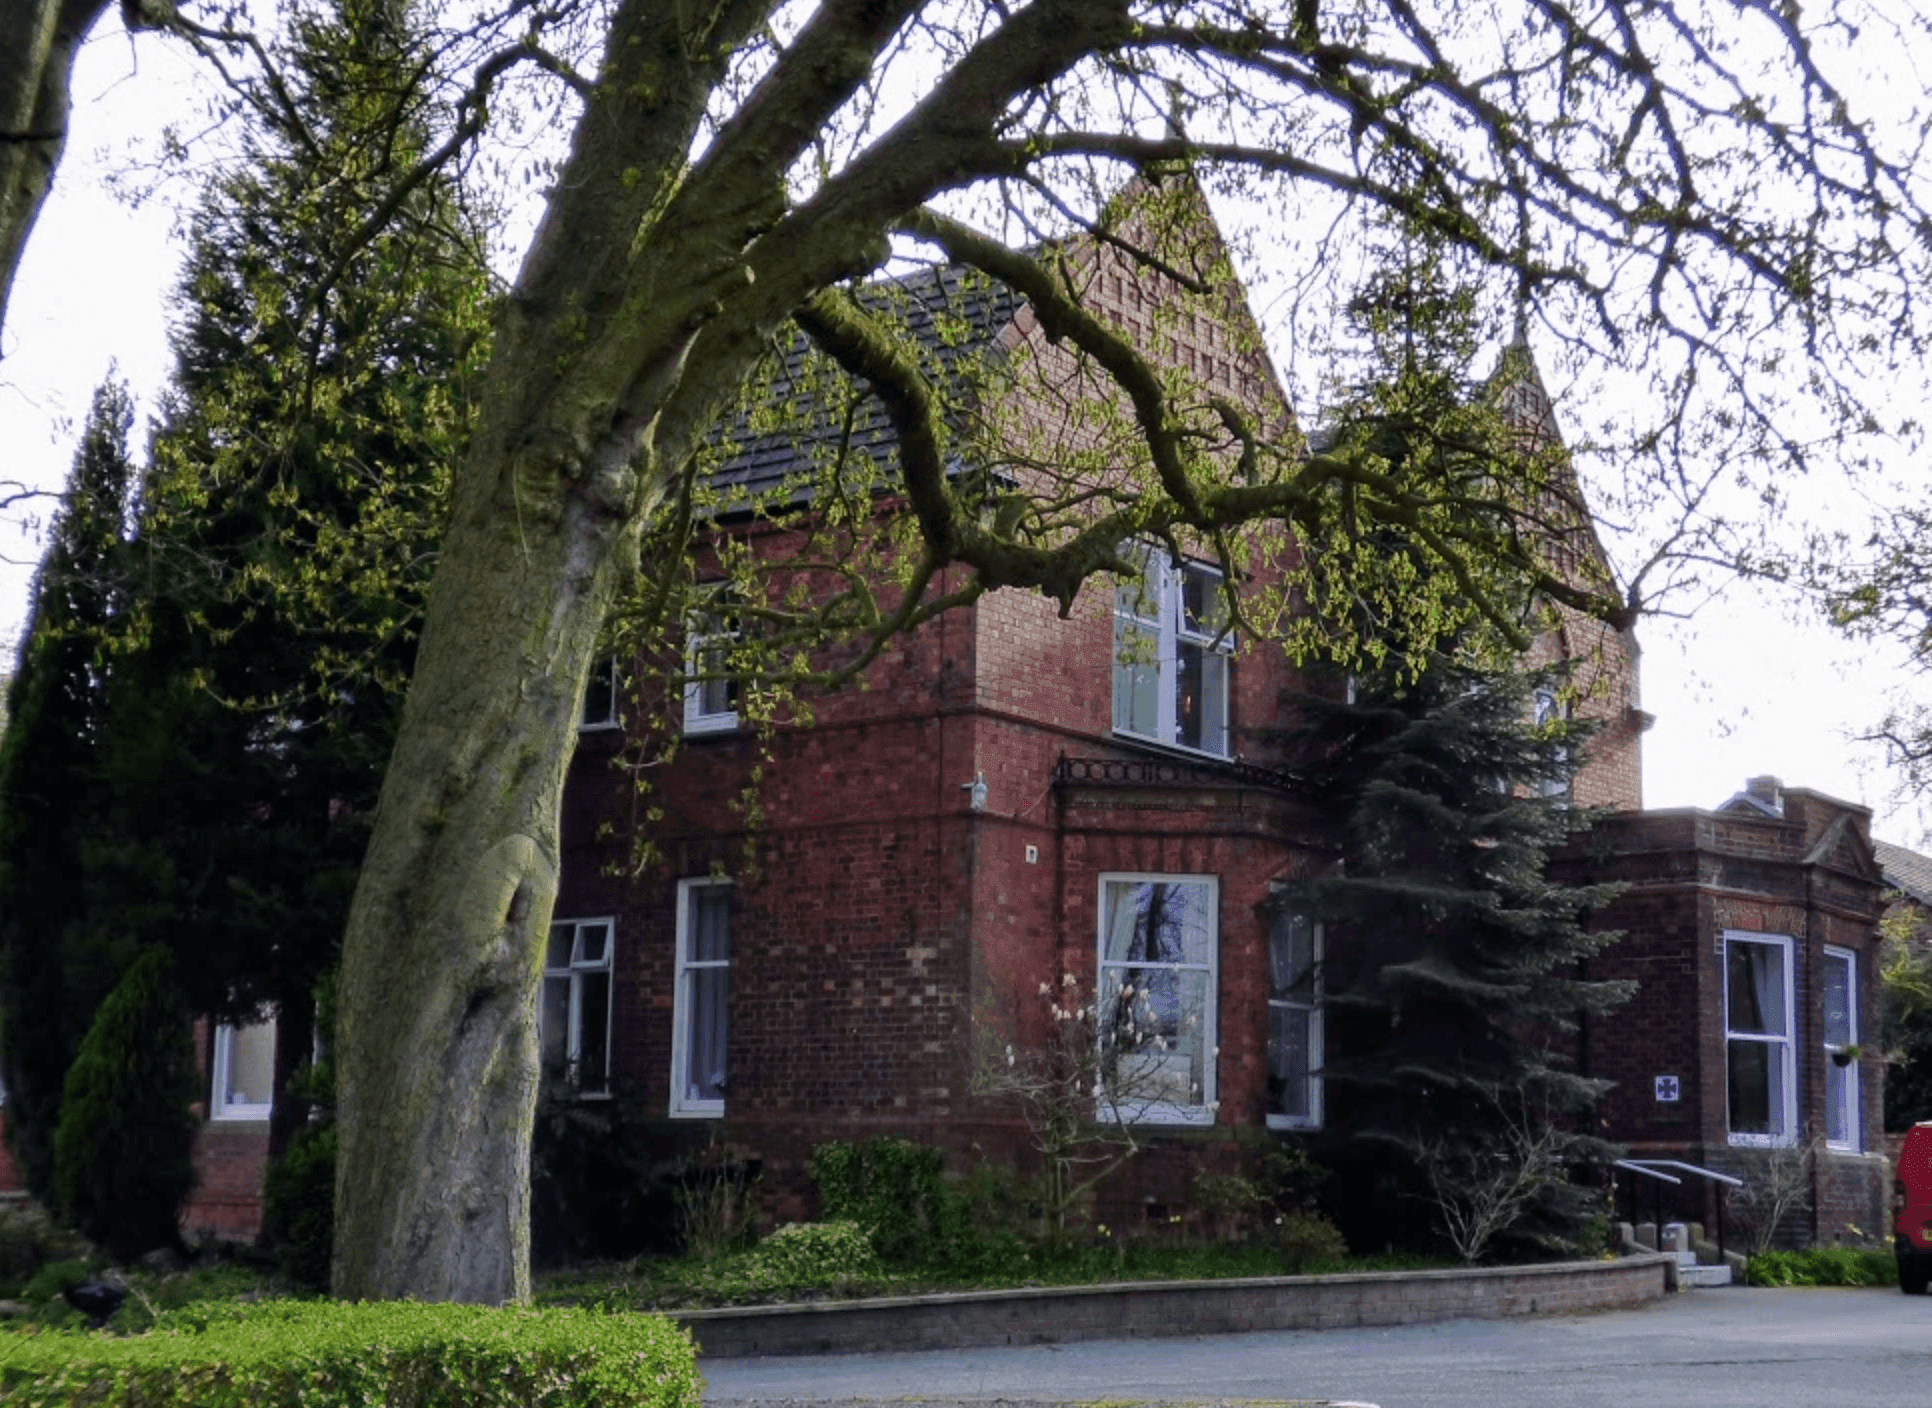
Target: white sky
1748, 686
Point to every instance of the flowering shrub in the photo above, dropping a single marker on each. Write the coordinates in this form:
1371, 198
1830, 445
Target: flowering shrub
1306, 1240
1076, 1091
833, 1257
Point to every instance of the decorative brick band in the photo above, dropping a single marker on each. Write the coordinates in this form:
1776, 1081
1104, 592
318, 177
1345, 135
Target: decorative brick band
1150, 1309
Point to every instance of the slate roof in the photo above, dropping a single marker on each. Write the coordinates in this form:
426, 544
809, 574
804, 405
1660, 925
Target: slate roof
954, 317
1905, 871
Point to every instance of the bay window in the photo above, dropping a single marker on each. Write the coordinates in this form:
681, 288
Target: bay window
1840, 1030
1155, 992
1294, 1022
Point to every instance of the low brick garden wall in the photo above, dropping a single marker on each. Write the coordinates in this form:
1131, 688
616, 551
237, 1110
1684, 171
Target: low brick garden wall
1043, 1315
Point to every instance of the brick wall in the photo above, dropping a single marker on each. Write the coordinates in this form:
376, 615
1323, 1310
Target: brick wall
230, 1158
1156, 1310
878, 923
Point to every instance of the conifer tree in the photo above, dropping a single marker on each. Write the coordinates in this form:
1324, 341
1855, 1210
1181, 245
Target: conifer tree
289, 518
1454, 959
55, 967
123, 1149
1453, 966
245, 690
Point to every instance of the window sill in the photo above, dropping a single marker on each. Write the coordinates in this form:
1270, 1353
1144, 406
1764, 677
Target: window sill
1172, 750
697, 1112
1760, 1141
601, 726
1302, 1123
698, 728
1189, 1117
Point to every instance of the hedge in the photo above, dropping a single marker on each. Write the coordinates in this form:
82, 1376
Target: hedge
319, 1354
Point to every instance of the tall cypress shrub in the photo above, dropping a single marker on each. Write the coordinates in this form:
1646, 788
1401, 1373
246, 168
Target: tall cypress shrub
55, 965
123, 1151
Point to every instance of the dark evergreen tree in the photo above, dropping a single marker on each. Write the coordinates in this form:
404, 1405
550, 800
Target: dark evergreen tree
298, 1193
123, 1148
1454, 962
288, 522
243, 691
55, 967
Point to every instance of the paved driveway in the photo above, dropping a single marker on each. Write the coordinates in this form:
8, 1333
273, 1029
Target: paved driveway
1731, 1348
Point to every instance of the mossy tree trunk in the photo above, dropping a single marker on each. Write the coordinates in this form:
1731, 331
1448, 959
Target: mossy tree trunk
38, 40
649, 290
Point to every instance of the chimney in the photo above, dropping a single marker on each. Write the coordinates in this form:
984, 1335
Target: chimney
1767, 790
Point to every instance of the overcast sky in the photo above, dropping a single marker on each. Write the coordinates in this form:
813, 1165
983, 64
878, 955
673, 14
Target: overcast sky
1749, 686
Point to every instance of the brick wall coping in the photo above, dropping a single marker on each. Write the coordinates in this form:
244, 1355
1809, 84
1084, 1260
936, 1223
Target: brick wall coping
1148, 1309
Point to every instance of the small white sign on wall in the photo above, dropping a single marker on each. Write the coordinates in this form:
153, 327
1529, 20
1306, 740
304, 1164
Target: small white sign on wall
1667, 1090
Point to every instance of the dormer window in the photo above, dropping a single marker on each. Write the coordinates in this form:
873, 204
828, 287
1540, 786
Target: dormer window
1172, 653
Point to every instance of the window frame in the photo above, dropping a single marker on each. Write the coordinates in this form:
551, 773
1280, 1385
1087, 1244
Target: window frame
575, 971
683, 1013
604, 670
1847, 1075
1549, 709
219, 1106
1201, 1112
1162, 586
1784, 1046
1314, 1016
705, 627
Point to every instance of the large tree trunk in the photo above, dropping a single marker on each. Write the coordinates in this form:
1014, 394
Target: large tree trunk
588, 409
437, 1048
38, 40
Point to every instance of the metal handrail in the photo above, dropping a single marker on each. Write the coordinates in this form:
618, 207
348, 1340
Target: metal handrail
1707, 1173
1653, 1169
1645, 1170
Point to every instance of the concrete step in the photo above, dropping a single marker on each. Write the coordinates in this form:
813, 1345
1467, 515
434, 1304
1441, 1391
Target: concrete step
1689, 1276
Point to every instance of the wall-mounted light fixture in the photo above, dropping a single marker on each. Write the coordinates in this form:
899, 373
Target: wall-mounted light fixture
975, 792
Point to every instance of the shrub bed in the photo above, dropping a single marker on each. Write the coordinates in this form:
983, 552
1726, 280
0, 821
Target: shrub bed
279, 1354
1822, 1266
744, 1279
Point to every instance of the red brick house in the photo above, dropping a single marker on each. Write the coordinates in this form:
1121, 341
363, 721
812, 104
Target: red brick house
1006, 804
1011, 800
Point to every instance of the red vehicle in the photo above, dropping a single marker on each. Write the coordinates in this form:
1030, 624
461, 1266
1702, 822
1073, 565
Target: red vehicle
1912, 1210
